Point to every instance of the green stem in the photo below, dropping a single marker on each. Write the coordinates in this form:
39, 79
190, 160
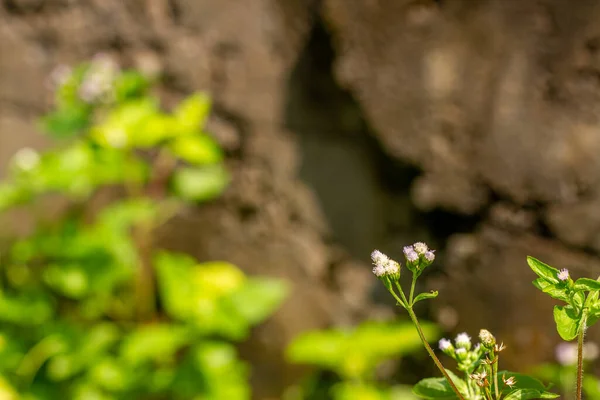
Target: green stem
495, 373
580, 340
412, 289
437, 362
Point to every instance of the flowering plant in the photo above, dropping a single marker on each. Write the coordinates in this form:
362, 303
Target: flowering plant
581, 309
478, 364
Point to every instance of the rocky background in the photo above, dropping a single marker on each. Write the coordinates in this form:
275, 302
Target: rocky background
355, 124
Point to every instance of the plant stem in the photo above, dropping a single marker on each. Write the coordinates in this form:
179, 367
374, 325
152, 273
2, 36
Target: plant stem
580, 338
412, 289
437, 362
495, 373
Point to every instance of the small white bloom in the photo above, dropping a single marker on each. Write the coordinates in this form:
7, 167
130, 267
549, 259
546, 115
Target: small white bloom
463, 340
445, 344
429, 256
384, 265
411, 256
563, 274
392, 267
420, 247
379, 258
379, 270
461, 353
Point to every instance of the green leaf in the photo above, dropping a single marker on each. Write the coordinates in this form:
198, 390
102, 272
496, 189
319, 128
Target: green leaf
197, 149
352, 353
259, 298
432, 295
542, 270
567, 322
66, 122
434, 388
555, 290
439, 388
323, 348
200, 184
525, 394
157, 343
587, 284
130, 84
193, 111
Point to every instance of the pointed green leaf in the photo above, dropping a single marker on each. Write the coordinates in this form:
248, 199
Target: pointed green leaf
525, 394
432, 295
543, 270
555, 290
587, 284
567, 322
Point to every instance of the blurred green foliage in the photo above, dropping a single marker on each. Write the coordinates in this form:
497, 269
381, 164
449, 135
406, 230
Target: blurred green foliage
354, 356
91, 309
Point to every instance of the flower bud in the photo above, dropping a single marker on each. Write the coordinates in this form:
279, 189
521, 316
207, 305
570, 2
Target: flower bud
487, 339
461, 354
446, 346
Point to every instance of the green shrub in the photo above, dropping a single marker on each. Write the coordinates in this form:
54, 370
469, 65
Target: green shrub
89, 307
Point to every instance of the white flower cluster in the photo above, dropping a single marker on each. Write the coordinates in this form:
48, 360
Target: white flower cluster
412, 253
383, 265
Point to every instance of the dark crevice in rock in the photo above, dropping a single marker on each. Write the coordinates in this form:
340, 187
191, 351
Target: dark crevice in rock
363, 191
338, 154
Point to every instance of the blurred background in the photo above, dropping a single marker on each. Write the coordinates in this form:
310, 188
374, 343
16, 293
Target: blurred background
337, 127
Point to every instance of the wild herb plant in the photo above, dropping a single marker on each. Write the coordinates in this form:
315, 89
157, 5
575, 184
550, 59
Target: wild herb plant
479, 365
354, 354
581, 309
90, 307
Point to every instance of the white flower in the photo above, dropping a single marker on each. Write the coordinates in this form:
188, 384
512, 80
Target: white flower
411, 256
379, 270
384, 265
463, 340
379, 258
429, 256
445, 344
563, 274
421, 248
461, 353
